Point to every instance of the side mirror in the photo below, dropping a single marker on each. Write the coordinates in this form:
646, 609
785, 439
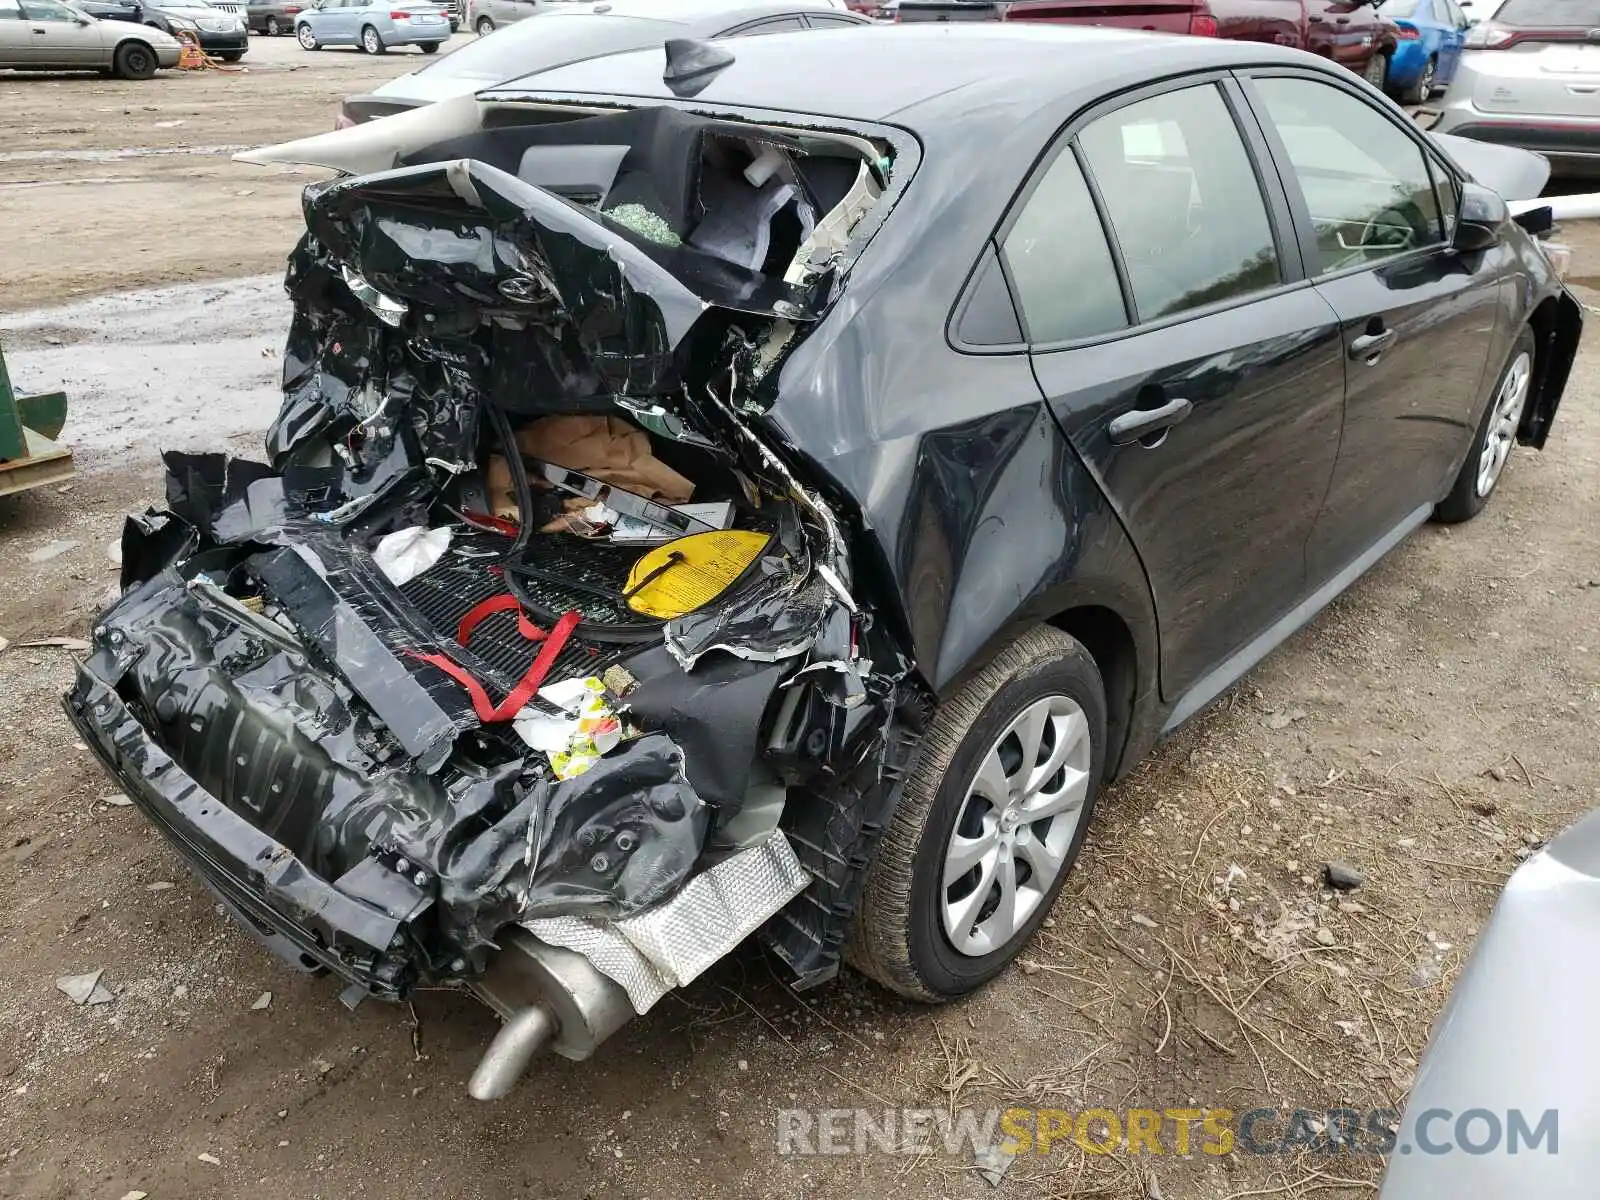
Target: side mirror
1482, 220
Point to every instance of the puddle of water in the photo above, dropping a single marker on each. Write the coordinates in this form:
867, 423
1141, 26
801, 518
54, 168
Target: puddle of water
187, 367
7, 156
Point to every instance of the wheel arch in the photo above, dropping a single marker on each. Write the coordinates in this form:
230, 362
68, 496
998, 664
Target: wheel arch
1110, 642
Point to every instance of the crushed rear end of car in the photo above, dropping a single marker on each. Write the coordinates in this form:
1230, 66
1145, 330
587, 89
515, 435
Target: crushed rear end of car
525, 662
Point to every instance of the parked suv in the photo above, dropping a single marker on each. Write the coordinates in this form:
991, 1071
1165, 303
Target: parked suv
1530, 77
1350, 32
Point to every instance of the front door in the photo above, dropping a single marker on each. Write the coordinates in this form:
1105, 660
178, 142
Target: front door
14, 34
60, 37
1416, 317
1200, 383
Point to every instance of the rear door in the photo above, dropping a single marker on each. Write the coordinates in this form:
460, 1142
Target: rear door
1193, 370
1447, 14
58, 36
1416, 318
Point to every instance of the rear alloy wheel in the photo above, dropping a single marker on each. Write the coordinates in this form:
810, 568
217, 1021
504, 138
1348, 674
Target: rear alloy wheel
273, 28
371, 42
1376, 71
307, 39
989, 823
484, 27
134, 60
1419, 92
1497, 434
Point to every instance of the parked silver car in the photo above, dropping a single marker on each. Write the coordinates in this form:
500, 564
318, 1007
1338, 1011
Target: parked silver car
573, 32
1505, 1104
1530, 77
488, 15
373, 25
47, 35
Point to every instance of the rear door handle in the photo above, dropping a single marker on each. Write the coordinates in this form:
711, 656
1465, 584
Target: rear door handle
1369, 345
1142, 422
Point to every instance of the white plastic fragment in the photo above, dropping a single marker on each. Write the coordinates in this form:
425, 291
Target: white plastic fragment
261, 1002
209, 1158
407, 553
116, 800
85, 989
575, 740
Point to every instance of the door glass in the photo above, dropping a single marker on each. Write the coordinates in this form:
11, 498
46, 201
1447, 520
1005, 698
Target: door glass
46, 10
1183, 200
1058, 260
1365, 182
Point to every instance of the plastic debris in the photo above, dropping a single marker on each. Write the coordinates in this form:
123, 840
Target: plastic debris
262, 1001
85, 989
51, 550
116, 800
574, 742
993, 1162
135, 1195
55, 643
407, 553
209, 1158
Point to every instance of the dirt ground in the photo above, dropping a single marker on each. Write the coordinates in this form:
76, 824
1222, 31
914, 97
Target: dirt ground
1431, 727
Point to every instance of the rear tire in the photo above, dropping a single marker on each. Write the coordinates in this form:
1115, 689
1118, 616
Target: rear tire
371, 42
429, 47
922, 929
484, 27
134, 60
273, 28
1495, 439
307, 39
231, 56
1376, 72
1419, 92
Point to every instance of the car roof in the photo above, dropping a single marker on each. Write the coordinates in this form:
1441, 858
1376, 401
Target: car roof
716, 14
879, 71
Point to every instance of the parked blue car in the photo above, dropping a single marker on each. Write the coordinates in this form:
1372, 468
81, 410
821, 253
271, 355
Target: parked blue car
374, 25
1432, 33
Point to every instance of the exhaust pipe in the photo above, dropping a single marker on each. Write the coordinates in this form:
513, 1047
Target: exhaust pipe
550, 998
513, 1048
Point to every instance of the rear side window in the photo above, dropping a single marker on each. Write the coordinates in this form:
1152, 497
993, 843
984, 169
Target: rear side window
1058, 260
1183, 200
1365, 182
9, 11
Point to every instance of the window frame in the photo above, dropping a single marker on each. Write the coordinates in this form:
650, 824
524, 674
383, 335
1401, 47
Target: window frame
1433, 162
1285, 234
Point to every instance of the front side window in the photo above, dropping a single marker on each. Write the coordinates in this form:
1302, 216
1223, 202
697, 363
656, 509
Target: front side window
47, 10
1058, 260
1365, 182
1183, 200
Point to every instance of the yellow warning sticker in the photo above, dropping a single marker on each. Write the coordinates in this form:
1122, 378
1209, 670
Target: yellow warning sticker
692, 571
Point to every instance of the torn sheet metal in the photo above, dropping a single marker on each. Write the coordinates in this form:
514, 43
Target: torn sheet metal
672, 944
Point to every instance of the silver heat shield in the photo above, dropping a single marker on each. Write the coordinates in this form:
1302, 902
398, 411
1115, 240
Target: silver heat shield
671, 943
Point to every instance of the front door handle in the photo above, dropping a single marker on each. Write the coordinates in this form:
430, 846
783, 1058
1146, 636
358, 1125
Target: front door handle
1142, 422
1369, 345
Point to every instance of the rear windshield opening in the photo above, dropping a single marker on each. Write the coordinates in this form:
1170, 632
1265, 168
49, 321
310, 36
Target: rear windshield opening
764, 199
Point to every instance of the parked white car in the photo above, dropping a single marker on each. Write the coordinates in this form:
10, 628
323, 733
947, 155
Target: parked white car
48, 35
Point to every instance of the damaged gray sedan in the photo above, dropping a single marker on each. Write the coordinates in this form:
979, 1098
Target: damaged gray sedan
669, 534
